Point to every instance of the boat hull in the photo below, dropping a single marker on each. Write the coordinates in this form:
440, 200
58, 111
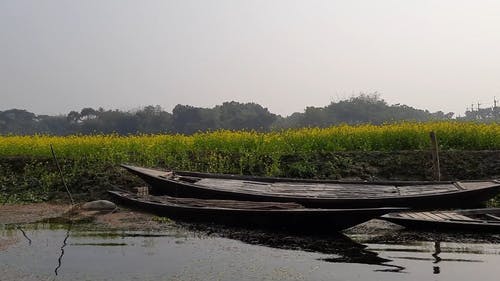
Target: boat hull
293, 219
460, 198
465, 223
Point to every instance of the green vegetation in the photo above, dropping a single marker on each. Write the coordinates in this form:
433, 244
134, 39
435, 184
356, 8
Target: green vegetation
396, 151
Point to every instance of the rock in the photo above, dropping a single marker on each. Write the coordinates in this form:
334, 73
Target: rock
99, 205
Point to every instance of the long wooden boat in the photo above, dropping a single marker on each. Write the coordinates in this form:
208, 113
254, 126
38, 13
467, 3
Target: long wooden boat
275, 215
319, 193
487, 219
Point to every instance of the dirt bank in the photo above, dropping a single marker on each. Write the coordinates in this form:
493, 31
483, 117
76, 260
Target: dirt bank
28, 213
62, 213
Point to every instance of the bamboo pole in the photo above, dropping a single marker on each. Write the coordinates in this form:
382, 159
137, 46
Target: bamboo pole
61, 174
435, 156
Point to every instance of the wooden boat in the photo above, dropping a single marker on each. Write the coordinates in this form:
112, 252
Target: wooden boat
287, 216
487, 219
319, 193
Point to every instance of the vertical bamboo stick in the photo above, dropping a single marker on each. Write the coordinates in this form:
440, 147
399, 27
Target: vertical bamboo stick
61, 174
435, 156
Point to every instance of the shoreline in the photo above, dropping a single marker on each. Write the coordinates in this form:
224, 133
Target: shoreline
124, 219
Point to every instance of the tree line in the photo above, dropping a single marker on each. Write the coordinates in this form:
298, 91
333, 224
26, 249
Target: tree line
185, 119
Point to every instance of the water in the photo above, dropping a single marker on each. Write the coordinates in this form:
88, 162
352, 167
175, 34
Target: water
47, 252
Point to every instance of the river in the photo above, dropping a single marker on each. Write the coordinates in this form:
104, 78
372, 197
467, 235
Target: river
65, 252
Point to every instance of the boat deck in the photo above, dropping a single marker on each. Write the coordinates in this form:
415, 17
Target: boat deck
434, 216
313, 189
326, 190
483, 216
213, 203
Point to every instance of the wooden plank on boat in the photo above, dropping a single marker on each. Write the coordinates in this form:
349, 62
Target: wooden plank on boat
457, 216
476, 220
406, 215
469, 220
445, 215
492, 217
302, 189
425, 189
431, 216
418, 216
474, 185
441, 215
225, 203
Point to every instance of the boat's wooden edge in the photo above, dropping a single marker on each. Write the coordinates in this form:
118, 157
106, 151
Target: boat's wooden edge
282, 179
154, 173
384, 210
279, 179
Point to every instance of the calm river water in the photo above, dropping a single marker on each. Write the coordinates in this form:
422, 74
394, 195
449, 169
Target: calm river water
45, 252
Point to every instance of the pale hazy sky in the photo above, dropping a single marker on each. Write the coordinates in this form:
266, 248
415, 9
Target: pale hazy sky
57, 56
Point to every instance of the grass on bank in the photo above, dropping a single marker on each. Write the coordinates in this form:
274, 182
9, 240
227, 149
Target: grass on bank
90, 161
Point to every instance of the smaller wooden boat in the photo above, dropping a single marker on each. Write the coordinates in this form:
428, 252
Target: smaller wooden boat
487, 219
276, 215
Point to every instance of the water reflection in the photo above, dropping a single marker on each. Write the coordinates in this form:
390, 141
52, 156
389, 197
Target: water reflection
64, 244
213, 253
432, 259
342, 248
456, 253
437, 251
25, 235
437, 259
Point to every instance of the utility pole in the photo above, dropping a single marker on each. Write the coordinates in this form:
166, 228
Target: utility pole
495, 108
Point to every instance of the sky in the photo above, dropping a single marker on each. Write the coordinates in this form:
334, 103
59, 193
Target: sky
57, 56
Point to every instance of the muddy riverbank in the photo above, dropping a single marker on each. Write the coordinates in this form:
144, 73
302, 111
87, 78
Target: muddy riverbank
121, 218
125, 219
